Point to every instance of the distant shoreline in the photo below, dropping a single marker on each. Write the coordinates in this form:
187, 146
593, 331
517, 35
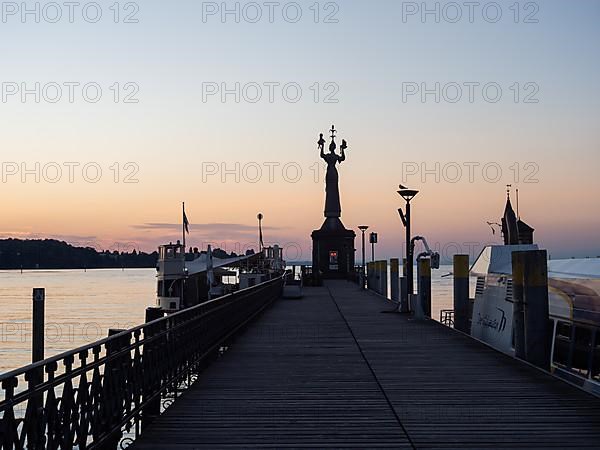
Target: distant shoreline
51, 254
73, 269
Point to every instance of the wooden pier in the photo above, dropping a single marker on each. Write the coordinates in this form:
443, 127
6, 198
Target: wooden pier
334, 370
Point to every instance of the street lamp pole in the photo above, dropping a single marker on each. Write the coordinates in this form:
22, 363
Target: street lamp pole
408, 195
409, 253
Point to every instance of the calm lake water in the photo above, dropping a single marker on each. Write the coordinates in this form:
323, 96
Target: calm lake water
82, 306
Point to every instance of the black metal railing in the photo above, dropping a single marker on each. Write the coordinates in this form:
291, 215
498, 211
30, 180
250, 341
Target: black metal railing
447, 317
102, 395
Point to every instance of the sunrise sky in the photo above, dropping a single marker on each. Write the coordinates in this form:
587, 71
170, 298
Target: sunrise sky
357, 65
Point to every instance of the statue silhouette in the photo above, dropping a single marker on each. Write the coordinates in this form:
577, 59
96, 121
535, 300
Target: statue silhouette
333, 206
332, 244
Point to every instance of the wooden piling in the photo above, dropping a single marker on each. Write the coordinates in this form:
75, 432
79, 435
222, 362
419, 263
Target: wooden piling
383, 267
404, 303
395, 279
37, 341
518, 261
425, 286
461, 293
537, 314
35, 377
377, 277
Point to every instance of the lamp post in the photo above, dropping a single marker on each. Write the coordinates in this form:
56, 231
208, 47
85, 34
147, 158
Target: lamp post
408, 195
260, 235
363, 228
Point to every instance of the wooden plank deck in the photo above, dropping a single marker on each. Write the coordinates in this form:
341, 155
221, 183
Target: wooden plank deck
332, 371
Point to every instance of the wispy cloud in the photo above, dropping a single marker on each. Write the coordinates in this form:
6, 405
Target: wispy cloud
206, 227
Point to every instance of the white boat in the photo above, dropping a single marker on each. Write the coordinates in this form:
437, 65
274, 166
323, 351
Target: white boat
574, 307
185, 280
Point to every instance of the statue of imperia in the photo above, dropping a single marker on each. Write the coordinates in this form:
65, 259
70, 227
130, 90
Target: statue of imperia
333, 206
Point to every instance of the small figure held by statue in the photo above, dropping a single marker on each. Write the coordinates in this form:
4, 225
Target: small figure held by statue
321, 143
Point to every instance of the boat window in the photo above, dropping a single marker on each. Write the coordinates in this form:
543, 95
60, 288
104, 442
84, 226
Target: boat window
581, 350
583, 337
596, 360
564, 330
573, 347
562, 344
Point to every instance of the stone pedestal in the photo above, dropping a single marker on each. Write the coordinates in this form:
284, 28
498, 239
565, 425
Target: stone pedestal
333, 250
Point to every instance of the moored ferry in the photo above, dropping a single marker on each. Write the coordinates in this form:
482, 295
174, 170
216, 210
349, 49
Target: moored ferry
185, 280
574, 305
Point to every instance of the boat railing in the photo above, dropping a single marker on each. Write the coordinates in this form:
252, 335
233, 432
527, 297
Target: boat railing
102, 395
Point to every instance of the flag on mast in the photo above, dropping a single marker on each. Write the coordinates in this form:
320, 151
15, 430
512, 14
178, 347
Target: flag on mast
186, 226
186, 223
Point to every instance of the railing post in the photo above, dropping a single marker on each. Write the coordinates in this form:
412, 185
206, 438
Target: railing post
114, 388
395, 279
537, 315
518, 260
152, 410
461, 293
425, 286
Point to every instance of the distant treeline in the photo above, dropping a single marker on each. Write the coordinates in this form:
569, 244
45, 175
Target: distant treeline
53, 254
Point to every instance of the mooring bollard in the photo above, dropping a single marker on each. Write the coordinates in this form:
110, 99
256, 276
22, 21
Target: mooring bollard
518, 261
461, 293
395, 279
537, 314
425, 286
